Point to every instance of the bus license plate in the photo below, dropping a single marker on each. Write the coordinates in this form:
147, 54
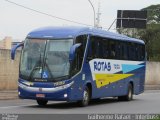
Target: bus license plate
40, 95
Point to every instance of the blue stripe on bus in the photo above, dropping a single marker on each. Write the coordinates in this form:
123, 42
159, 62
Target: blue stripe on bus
128, 68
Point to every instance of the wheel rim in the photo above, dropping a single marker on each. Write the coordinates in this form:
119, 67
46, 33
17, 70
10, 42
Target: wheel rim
85, 97
130, 94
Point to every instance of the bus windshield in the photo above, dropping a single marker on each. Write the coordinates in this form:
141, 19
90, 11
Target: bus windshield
45, 60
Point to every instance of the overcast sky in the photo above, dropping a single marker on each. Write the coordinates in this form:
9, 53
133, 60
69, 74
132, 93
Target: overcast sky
17, 22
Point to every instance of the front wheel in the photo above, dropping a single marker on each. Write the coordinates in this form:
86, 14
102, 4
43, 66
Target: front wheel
86, 97
42, 102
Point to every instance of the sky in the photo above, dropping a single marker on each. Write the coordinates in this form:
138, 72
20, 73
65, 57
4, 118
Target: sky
17, 22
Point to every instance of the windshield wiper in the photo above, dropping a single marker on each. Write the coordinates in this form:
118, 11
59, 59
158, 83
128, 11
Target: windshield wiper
38, 65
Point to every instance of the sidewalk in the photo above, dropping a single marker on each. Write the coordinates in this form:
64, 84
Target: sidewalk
152, 87
8, 94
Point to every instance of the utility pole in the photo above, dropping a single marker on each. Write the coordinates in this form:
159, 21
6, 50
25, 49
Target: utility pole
98, 16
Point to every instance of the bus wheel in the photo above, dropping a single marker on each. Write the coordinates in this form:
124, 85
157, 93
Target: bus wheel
129, 95
86, 97
42, 102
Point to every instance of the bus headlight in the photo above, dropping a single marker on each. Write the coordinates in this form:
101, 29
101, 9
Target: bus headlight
65, 95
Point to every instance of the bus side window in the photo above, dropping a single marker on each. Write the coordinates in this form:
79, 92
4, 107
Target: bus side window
80, 51
105, 49
94, 49
118, 50
97, 45
137, 52
141, 55
112, 49
91, 49
101, 47
132, 51
124, 51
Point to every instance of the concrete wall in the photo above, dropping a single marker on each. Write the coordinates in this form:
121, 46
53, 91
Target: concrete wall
153, 75
9, 71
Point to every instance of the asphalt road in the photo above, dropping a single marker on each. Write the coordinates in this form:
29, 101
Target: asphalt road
148, 102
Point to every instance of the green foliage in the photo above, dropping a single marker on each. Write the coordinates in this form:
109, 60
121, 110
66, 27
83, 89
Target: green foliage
153, 13
151, 36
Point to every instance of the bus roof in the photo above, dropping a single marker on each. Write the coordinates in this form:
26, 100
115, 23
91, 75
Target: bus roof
71, 32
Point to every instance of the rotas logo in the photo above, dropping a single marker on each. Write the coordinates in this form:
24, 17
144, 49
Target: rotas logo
102, 66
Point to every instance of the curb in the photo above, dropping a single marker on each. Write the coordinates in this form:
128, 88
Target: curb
8, 95
152, 87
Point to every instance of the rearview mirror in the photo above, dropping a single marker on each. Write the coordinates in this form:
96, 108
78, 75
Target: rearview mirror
73, 50
13, 50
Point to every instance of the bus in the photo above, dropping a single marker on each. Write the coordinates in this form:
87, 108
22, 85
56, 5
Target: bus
79, 64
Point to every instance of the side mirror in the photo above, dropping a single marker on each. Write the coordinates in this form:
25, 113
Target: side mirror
13, 50
73, 50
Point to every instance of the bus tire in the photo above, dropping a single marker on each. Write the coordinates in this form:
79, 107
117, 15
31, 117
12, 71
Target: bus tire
42, 102
86, 97
129, 95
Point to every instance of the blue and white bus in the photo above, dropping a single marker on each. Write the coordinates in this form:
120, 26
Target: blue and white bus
80, 64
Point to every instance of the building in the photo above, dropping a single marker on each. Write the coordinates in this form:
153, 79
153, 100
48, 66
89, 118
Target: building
6, 43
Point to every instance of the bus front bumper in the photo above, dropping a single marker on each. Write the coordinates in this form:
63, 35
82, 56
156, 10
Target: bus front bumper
60, 93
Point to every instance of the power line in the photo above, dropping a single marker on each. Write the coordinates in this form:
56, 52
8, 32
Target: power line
37, 11
93, 12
